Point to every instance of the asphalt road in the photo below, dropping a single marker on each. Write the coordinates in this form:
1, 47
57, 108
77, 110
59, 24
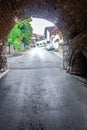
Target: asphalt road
37, 94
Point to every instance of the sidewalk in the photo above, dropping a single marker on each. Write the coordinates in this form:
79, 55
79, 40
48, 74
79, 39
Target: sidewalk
4, 73
16, 54
83, 80
60, 55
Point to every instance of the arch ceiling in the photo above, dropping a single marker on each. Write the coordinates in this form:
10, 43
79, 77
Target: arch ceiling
69, 16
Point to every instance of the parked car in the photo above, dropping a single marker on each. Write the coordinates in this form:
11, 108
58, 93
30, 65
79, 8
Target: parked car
32, 45
41, 45
49, 47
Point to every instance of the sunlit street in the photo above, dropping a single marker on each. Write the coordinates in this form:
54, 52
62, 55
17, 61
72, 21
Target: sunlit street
35, 58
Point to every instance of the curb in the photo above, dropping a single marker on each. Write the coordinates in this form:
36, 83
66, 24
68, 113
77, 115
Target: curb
60, 56
82, 80
4, 73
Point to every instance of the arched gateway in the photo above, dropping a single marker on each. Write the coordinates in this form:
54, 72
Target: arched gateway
69, 16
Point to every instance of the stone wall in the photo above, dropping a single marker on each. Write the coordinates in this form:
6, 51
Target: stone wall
75, 54
3, 60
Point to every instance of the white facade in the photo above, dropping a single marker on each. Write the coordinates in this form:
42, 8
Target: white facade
56, 40
48, 35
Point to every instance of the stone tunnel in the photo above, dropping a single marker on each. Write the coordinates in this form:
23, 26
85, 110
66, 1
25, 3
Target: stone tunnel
70, 16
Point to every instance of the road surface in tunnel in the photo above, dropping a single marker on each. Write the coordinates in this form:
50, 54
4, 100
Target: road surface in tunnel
37, 94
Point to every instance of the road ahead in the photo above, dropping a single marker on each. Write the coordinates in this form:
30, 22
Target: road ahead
37, 94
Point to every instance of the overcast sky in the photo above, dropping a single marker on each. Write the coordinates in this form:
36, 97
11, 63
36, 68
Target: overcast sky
39, 25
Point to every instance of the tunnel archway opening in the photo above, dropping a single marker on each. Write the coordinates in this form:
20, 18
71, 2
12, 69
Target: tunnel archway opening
44, 25
54, 37
68, 17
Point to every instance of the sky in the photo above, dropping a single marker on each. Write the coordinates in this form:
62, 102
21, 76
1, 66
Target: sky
39, 25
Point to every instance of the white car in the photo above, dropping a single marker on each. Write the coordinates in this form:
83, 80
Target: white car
49, 47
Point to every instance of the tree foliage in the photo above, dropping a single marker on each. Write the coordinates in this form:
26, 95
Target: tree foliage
21, 33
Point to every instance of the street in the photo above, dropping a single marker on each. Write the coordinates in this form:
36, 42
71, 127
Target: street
37, 94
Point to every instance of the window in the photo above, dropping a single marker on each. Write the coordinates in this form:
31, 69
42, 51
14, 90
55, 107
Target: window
57, 40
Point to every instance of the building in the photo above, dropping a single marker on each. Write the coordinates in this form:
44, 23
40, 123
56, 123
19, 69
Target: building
54, 36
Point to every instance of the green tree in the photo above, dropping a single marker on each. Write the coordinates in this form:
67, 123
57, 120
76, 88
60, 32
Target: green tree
21, 32
26, 30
